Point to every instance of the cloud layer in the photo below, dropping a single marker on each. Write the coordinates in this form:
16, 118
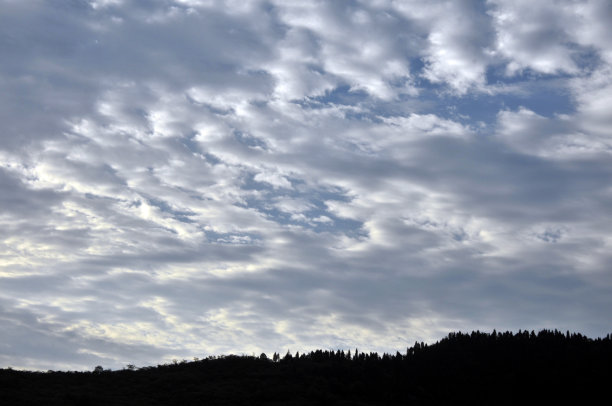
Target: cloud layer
182, 178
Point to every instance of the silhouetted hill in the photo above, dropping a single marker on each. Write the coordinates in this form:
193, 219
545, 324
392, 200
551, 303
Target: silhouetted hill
476, 368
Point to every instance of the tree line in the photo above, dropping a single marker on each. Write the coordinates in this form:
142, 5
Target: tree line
476, 368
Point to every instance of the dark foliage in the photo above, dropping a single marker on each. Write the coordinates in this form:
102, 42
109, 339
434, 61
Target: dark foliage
476, 368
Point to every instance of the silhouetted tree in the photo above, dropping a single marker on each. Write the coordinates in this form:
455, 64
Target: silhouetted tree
462, 368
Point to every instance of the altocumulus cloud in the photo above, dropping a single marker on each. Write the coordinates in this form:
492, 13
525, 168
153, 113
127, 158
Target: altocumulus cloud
182, 177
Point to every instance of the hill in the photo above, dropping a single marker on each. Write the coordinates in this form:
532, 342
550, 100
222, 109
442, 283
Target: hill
476, 368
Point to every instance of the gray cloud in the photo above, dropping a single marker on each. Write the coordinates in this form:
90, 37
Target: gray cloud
183, 178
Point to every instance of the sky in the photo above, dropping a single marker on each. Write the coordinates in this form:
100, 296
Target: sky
185, 178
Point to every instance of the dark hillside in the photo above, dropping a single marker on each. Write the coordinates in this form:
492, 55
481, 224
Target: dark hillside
476, 368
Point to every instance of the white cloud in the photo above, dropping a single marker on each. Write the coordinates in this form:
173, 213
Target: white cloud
459, 45
255, 176
534, 35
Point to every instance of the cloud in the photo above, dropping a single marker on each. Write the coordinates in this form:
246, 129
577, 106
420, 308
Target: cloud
534, 37
184, 178
459, 44
315, 52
